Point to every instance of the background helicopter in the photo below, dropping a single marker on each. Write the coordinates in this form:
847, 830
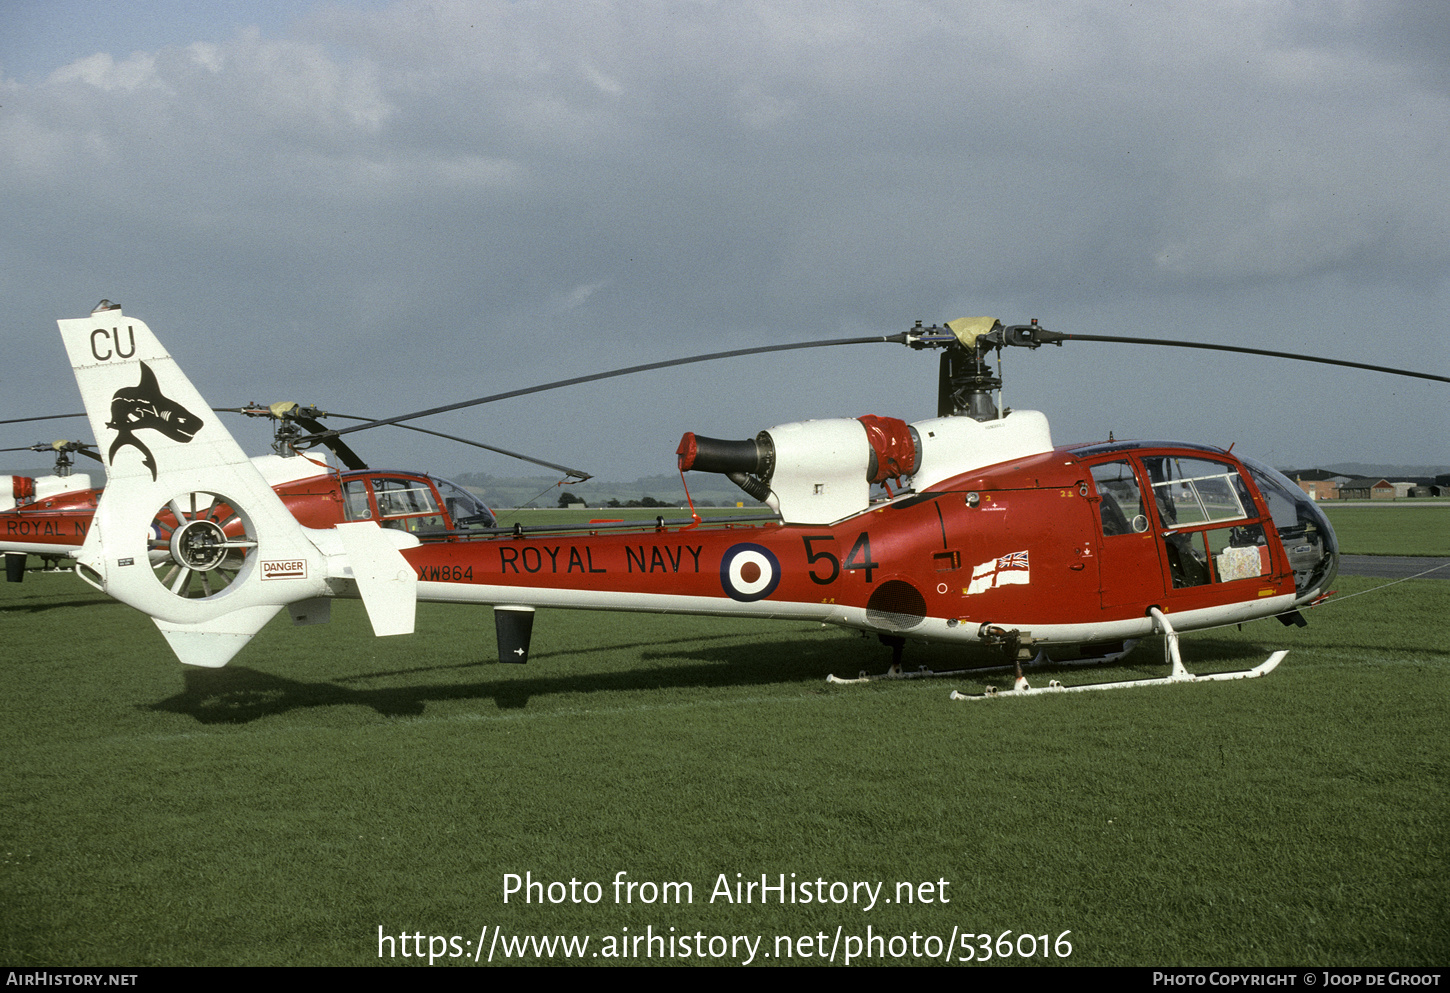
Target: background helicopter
989, 534
49, 516
46, 515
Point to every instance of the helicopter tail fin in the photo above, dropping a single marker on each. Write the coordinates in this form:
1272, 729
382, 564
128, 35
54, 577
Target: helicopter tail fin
187, 530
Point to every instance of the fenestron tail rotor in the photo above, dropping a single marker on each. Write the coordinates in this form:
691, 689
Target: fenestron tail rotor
230, 577
200, 544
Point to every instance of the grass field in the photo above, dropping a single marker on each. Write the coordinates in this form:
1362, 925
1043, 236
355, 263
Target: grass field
328, 784
1401, 528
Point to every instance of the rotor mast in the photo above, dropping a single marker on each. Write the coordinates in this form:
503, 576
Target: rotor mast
965, 385
965, 380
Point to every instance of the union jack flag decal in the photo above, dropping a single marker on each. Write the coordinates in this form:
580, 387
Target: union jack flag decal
1016, 560
1007, 570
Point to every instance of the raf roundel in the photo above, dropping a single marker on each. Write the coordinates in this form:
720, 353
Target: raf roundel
749, 572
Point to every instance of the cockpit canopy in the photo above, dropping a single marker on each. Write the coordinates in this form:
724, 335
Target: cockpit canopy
1308, 539
1200, 489
464, 509
419, 504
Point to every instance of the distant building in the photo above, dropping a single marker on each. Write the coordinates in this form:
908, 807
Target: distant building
1320, 484
1367, 489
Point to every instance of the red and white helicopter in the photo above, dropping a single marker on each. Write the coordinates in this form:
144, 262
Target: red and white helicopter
989, 533
49, 516
45, 515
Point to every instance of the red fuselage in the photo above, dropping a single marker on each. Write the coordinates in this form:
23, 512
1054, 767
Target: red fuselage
1027, 544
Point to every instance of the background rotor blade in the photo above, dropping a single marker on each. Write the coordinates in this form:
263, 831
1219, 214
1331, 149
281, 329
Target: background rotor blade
48, 417
581, 475
79, 447
320, 434
346, 455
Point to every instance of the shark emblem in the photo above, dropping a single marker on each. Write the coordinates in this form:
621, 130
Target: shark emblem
144, 407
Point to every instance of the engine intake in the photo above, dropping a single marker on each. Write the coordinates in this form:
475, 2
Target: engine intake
812, 472
756, 456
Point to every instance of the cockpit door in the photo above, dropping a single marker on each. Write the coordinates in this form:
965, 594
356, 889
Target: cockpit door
1209, 524
403, 502
1130, 566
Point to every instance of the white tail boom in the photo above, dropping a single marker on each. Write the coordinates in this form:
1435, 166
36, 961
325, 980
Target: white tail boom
187, 530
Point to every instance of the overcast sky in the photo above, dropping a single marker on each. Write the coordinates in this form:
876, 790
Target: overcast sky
381, 207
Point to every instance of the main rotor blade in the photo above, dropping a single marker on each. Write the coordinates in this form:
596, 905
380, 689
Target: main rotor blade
629, 370
61, 417
48, 417
1053, 336
478, 444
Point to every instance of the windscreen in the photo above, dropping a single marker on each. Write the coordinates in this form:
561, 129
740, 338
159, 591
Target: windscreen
1308, 539
465, 509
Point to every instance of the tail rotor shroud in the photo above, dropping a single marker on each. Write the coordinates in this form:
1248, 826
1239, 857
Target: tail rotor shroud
203, 543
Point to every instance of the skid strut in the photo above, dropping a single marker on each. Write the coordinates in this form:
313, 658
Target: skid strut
1179, 673
1012, 644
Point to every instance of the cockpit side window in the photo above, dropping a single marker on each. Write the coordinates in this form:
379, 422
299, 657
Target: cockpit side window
356, 491
1239, 552
407, 504
1197, 491
1121, 500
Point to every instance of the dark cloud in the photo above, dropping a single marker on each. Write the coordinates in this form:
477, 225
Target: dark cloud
394, 206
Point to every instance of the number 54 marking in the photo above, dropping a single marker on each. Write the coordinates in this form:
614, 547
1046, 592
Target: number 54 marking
859, 558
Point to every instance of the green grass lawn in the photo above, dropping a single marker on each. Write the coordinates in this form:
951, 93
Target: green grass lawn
328, 784
1401, 528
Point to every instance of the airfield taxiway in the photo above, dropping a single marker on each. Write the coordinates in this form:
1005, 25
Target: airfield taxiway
1395, 566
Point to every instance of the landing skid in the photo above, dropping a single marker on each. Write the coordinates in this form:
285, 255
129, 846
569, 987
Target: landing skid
1178, 675
1023, 689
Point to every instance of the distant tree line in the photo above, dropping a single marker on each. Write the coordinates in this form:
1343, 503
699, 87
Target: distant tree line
567, 499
